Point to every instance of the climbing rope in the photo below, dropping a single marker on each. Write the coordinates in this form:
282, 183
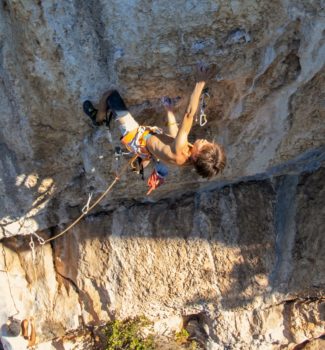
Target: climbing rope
28, 324
86, 209
9, 285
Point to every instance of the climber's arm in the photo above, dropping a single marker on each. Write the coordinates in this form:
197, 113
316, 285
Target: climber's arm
186, 125
203, 73
172, 124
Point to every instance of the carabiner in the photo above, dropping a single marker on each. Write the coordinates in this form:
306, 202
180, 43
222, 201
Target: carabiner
203, 119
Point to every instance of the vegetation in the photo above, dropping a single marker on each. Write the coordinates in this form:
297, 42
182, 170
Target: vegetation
128, 335
181, 338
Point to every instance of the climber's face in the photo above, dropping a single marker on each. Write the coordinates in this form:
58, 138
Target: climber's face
198, 145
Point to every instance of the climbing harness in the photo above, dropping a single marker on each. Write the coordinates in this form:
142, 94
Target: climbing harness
205, 97
135, 141
118, 154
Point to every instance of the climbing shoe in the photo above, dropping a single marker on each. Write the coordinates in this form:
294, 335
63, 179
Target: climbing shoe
91, 111
115, 103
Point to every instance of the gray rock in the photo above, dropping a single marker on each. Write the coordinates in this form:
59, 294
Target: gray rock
244, 251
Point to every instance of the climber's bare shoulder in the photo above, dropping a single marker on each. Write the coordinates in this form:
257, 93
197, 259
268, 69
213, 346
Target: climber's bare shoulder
163, 147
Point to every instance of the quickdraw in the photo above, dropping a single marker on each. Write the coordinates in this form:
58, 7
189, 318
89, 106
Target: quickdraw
118, 156
85, 209
205, 97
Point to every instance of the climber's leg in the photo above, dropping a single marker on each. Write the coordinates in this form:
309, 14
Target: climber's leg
113, 103
102, 107
126, 123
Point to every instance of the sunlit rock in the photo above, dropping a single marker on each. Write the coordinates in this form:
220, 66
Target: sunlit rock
240, 257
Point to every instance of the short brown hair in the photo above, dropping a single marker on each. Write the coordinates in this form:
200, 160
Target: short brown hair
210, 161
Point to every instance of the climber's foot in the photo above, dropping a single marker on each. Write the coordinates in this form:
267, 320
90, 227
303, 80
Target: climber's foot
91, 111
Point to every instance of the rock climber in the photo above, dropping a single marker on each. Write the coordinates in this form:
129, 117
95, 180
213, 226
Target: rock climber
150, 143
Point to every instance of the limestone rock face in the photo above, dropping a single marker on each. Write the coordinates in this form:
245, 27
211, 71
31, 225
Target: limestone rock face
243, 254
266, 106
245, 258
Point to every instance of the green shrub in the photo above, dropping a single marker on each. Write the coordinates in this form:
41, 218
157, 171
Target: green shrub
126, 335
181, 336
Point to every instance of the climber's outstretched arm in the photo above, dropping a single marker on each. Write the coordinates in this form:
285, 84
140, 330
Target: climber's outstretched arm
192, 108
186, 125
203, 73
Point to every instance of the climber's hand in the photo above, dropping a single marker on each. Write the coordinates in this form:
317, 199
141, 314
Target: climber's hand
204, 72
170, 103
167, 103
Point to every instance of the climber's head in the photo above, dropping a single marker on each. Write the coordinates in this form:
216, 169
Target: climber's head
208, 158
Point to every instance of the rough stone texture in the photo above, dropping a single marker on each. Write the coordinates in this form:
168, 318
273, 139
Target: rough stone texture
244, 253
267, 100
245, 257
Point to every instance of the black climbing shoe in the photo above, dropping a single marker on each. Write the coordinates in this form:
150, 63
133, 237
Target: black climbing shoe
115, 103
91, 111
